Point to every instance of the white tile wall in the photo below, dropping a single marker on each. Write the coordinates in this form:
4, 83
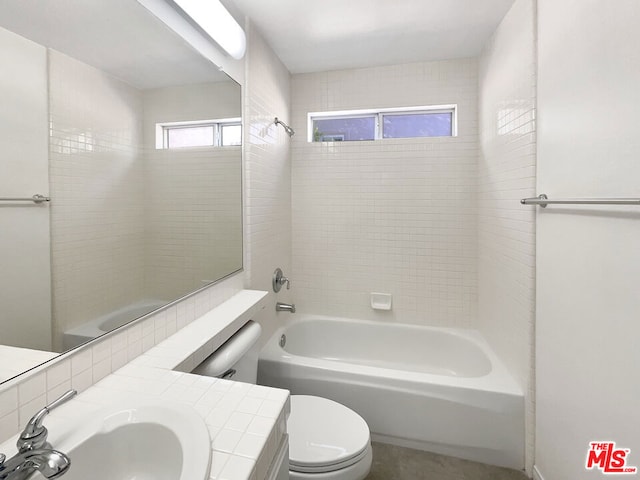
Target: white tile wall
97, 228
507, 173
267, 174
394, 216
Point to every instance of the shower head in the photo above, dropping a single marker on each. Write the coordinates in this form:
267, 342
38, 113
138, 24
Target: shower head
286, 127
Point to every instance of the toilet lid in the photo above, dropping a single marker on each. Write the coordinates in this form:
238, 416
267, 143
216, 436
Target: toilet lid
324, 435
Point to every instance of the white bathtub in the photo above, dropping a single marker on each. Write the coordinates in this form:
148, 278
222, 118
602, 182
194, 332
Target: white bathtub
101, 325
436, 389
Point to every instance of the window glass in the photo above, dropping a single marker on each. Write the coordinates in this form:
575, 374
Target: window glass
417, 125
344, 129
376, 124
231, 135
201, 136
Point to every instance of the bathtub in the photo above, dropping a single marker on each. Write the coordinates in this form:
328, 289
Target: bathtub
437, 389
101, 325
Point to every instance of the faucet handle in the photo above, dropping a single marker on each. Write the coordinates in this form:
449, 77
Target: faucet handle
64, 398
35, 434
279, 280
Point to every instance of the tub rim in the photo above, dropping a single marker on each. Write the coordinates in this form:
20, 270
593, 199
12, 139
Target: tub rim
498, 380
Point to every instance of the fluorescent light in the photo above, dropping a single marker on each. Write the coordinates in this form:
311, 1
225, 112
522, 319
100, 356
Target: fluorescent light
217, 22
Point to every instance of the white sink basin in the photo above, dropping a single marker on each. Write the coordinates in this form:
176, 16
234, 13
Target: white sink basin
145, 442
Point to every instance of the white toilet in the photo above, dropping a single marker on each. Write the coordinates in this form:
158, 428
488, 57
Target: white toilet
327, 441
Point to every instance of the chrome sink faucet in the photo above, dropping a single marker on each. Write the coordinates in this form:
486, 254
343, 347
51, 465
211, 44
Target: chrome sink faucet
50, 464
34, 453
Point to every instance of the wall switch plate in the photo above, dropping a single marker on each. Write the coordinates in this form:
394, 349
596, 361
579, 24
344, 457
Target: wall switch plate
381, 301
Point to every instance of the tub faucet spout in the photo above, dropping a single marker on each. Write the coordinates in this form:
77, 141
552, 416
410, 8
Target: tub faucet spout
285, 307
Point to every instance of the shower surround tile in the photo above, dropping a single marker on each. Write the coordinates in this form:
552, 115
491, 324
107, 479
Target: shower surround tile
395, 215
267, 175
507, 173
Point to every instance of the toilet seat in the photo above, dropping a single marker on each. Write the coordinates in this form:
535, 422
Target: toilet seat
325, 436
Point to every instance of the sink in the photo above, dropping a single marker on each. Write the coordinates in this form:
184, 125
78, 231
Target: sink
143, 442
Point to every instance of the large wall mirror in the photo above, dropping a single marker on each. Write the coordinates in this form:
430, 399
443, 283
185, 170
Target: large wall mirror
135, 138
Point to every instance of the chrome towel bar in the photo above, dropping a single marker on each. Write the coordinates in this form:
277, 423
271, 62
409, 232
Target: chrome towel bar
37, 198
543, 201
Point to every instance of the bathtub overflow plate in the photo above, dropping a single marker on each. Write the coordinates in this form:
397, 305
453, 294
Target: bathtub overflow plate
283, 340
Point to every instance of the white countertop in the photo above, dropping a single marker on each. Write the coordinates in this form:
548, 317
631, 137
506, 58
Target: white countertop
189, 346
246, 423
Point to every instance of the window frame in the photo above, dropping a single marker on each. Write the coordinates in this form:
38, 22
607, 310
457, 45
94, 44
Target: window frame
379, 114
162, 132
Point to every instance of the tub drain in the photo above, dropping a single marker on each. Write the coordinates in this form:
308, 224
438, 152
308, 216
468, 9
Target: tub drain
283, 340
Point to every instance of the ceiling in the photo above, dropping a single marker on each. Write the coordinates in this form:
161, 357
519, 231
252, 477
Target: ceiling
311, 36
119, 37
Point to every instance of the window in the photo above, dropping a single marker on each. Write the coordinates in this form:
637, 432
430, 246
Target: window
230, 134
208, 133
347, 128
411, 122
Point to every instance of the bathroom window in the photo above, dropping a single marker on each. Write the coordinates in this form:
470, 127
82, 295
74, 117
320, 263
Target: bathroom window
358, 125
344, 128
230, 134
210, 133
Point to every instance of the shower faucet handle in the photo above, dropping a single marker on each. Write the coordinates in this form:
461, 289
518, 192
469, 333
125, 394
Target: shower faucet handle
279, 280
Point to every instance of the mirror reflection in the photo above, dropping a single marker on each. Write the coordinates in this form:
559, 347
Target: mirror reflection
136, 139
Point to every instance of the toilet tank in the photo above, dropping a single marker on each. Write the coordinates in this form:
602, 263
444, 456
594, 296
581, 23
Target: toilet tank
237, 358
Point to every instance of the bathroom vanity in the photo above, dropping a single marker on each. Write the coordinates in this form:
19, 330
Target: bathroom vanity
246, 423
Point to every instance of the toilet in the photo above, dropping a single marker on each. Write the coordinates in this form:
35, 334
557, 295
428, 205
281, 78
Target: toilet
327, 441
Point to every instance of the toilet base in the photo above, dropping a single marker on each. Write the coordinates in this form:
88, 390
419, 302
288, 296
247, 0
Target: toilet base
357, 471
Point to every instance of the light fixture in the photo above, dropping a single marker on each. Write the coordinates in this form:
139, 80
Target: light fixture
217, 22
204, 23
